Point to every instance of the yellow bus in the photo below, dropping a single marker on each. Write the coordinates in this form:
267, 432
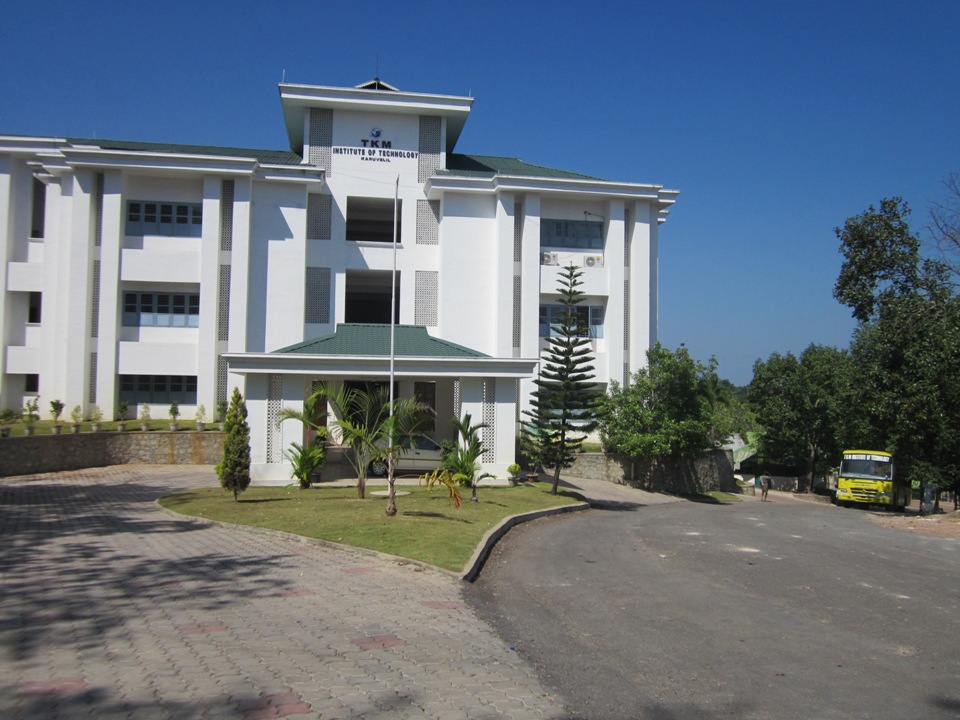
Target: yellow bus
869, 477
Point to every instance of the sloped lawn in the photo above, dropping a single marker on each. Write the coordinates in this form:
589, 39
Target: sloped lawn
427, 526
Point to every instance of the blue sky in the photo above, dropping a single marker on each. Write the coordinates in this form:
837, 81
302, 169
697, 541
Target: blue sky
775, 120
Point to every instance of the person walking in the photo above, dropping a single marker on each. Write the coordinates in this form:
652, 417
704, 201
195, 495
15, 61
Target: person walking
765, 481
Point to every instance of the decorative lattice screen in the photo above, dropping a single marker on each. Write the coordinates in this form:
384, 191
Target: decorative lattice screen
428, 222
317, 295
426, 297
429, 160
318, 216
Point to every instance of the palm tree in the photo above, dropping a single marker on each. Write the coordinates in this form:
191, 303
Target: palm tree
464, 461
409, 420
365, 425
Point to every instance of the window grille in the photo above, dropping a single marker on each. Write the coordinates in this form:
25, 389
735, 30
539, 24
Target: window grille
221, 378
457, 401
428, 222
95, 301
223, 304
589, 319
571, 234
227, 192
98, 227
158, 389
149, 309
92, 380
426, 300
490, 419
516, 312
150, 217
517, 230
429, 159
321, 138
318, 216
627, 226
626, 315
317, 296
274, 406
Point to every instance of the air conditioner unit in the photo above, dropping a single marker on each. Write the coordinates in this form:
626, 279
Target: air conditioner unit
549, 259
593, 261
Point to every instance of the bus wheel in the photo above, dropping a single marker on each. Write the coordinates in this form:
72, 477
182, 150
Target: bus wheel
847, 504
900, 508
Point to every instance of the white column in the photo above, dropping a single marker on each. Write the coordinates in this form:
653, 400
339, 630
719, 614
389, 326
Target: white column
207, 349
111, 296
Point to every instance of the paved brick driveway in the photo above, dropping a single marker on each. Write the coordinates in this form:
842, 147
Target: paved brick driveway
112, 608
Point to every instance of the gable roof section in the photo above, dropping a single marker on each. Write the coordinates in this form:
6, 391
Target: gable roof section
492, 165
264, 157
374, 340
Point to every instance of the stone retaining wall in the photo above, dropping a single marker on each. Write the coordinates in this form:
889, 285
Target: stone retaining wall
51, 453
711, 471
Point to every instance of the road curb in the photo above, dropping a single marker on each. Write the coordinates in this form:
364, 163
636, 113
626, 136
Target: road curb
480, 555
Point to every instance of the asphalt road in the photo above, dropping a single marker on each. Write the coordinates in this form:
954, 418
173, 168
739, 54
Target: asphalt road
751, 610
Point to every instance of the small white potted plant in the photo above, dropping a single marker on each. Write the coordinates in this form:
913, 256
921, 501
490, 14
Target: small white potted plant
144, 417
56, 408
76, 419
174, 413
30, 415
222, 414
201, 417
121, 415
95, 417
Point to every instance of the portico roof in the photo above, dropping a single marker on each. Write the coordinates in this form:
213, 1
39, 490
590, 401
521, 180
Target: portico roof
359, 350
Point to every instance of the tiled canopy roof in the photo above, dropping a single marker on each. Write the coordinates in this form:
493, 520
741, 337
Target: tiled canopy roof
374, 340
266, 157
491, 165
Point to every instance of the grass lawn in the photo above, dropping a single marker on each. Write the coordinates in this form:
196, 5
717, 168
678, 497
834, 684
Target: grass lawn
427, 527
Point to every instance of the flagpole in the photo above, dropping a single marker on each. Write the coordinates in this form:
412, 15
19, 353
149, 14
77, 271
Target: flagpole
393, 291
393, 323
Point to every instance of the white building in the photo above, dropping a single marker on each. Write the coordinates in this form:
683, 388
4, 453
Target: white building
150, 272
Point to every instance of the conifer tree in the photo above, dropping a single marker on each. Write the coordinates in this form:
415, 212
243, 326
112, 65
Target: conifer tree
234, 469
563, 406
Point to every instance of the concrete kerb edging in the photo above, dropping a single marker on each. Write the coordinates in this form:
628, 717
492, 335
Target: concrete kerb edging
469, 574
494, 534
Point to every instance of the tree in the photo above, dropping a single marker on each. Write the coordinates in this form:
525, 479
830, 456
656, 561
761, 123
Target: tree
906, 348
661, 412
945, 224
364, 423
234, 469
408, 421
305, 459
563, 406
726, 412
799, 403
464, 460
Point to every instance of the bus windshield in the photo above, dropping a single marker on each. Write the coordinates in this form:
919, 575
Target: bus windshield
867, 468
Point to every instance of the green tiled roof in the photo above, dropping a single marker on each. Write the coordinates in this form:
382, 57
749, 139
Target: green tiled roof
370, 339
491, 165
266, 157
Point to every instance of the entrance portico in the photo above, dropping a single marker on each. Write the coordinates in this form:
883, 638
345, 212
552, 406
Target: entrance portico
458, 379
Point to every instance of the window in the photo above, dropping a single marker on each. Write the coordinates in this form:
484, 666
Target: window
590, 319
571, 234
31, 383
167, 219
39, 209
158, 389
34, 308
371, 219
144, 309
